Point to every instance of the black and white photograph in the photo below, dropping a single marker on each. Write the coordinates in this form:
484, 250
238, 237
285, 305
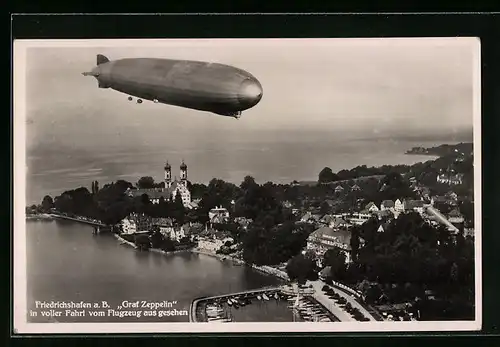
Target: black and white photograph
272, 185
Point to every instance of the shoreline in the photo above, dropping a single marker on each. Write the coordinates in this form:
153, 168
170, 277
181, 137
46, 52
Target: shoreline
267, 270
264, 269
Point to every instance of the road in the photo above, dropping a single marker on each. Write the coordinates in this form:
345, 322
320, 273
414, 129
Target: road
330, 303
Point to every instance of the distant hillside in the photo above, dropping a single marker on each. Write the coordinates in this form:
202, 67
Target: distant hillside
462, 148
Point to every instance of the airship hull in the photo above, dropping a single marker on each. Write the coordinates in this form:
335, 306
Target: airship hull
211, 87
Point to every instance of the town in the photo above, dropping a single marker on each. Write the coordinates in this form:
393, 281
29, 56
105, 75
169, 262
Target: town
398, 239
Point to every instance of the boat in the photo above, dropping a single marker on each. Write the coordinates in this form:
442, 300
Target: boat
265, 296
229, 302
276, 296
259, 297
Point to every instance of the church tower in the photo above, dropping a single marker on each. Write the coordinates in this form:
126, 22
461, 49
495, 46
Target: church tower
168, 175
184, 174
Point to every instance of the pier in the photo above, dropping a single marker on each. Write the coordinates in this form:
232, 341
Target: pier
196, 302
98, 226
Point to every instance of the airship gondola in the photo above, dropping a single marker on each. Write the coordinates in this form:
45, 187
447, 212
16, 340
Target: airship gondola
217, 88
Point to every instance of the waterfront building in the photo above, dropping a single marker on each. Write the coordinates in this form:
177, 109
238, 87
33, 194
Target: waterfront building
170, 190
168, 229
136, 223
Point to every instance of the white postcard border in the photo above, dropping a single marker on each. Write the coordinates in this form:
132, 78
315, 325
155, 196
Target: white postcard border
20, 324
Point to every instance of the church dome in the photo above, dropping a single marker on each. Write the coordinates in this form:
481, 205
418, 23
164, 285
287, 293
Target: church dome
167, 166
183, 166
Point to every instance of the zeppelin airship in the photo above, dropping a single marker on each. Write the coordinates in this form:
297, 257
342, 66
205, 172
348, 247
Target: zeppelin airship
212, 87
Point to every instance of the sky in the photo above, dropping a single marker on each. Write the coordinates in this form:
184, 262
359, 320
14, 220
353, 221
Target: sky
339, 86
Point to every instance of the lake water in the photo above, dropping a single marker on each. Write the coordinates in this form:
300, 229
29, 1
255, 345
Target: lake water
272, 156
66, 262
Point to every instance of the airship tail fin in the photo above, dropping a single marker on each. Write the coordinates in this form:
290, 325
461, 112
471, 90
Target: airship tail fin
101, 59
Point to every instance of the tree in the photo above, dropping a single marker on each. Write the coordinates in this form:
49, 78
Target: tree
300, 269
355, 242
47, 203
326, 175
248, 183
142, 242
146, 182
157, 238
336, 259
324, 208
179, 211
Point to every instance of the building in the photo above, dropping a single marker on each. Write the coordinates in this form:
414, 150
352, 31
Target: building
455, 217
214, 241
171, 189
136, 223
168, 229
371, 207
450, 179
326, 238
210, 244
218, 215
355, 188
339, 189
387, 205
356, 218
398, 206
414, 205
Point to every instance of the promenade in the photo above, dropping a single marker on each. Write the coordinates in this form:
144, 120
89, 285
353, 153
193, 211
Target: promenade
330, 303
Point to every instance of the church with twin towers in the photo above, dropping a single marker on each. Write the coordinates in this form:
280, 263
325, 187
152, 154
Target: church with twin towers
171, 189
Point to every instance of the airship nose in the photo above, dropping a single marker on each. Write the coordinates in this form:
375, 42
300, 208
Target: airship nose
250, 92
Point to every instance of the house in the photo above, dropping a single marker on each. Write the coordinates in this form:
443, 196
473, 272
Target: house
455, 217
337, 223
218, 215
286, 204
371, 207
414, 205
213, 241
383, 227
242, 221
326, 238
327, 219
357, 218
136, 223
339, 189
355, 188
307, 218
384, 214
210, 244
450, 179
398, 206
451, 196
193, 205
387, 205
165, 225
